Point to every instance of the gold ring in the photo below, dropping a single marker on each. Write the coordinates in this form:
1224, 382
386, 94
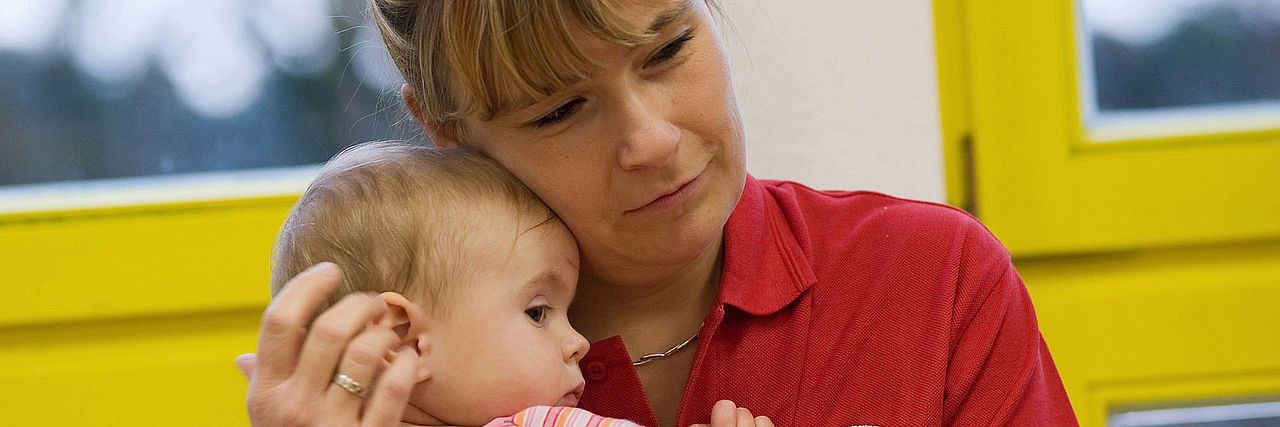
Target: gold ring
349, 384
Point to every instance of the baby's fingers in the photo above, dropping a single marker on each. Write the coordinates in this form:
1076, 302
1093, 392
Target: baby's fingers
391, 394
726, 414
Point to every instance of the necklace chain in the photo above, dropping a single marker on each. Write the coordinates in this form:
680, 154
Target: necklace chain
649, 358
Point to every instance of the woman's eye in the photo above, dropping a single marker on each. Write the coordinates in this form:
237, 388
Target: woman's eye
671, 49
536, 313
559, 114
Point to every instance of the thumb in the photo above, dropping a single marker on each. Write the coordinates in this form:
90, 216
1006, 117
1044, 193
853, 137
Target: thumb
247, 363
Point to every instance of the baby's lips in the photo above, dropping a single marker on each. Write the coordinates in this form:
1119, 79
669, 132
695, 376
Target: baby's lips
573, 396
568, 400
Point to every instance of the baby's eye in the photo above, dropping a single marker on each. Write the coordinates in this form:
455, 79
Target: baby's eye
537, 313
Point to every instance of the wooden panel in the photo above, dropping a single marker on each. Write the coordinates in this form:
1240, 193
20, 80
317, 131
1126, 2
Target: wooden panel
160, 371
1045, 189
1161, 328
133, 316
137, 261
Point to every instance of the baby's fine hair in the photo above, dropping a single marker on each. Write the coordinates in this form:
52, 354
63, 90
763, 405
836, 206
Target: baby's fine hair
395, 218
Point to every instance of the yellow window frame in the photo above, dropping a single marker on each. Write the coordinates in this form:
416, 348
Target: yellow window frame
1044, 187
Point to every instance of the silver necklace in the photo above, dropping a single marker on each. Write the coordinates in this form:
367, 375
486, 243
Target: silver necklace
649, 358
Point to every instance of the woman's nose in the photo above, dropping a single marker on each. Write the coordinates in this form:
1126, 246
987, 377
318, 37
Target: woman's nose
649, 139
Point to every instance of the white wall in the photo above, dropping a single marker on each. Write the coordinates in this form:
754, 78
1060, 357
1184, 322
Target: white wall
839, 94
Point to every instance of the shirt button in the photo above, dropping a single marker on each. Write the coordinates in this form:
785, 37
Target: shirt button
596, 370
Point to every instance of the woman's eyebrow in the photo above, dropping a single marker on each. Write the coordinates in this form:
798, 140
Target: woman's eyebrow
667, 17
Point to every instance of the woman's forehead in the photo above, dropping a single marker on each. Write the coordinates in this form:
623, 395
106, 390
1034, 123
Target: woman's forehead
656, 15
536, 58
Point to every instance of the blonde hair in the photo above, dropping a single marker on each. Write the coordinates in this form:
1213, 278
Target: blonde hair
477, 56
394, 217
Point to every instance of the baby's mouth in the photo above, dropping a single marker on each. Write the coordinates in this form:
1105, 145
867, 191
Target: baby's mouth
572, 397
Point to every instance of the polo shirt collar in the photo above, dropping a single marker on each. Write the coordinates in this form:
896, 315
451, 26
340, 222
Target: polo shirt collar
767, 254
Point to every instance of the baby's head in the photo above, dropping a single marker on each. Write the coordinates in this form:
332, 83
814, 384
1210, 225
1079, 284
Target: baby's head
477, 273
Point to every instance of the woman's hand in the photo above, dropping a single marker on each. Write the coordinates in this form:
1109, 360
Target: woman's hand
291, 378
726, 414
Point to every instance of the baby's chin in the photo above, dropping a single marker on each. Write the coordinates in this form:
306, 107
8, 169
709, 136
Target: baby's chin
415, 414
421, 411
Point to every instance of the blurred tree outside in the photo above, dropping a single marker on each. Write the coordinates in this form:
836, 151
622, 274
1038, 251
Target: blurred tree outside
311, 75
1223, 53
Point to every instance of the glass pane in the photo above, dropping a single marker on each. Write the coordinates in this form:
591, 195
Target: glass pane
93, 89
1241, 415
1216, 62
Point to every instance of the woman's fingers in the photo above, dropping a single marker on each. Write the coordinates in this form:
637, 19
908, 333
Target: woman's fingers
763, 421
330, 335
360, 363
247, 363
391, 394
284, 322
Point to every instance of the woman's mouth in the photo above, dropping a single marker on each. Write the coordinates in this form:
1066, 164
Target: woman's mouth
671, 199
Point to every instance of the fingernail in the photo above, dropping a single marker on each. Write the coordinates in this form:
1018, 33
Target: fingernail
325, 268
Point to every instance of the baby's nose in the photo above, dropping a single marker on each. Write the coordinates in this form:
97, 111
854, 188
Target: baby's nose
576, 347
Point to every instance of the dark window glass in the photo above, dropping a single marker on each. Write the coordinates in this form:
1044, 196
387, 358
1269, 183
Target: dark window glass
1156, 54
1229, 415
93, 89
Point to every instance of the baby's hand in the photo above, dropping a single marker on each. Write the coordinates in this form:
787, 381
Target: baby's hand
726, 414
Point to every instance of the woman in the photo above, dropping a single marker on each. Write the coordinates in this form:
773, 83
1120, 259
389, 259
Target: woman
811, 308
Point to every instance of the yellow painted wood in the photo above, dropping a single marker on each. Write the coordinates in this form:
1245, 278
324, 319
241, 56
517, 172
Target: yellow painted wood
1154, 264
1045, 189
1161, 328
138, 261
154, 371
953, 94
133, 316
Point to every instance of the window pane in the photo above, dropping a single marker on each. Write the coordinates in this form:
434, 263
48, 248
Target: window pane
1241, 415
1212, 62
94, 89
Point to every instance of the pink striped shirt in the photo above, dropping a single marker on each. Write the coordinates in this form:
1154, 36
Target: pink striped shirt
558, 416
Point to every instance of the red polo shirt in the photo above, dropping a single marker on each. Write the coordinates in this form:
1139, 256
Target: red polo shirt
850, 308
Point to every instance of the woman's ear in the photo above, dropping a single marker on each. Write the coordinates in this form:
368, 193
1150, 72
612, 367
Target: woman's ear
414, 327
441, 134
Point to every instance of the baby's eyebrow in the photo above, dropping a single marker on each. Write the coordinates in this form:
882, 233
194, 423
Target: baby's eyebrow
545, 277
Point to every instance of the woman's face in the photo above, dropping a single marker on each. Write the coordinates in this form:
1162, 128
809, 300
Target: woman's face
643, 159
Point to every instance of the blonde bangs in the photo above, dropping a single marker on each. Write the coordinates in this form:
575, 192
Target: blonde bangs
501, 51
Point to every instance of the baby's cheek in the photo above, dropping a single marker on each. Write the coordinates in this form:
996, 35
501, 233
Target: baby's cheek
535, 388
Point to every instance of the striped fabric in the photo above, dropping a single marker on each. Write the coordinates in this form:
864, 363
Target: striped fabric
558, 416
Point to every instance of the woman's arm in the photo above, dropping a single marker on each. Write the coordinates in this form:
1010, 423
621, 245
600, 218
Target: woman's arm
1000, 372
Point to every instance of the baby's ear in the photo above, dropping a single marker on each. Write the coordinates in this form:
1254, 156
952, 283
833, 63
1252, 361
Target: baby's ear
411, 323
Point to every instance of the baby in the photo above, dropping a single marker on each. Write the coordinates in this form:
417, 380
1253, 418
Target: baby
472, 267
